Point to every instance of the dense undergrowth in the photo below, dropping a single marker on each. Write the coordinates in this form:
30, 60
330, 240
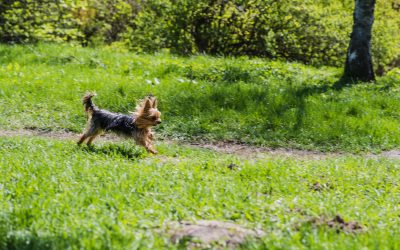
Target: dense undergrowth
56, 195
254, 101
313, 32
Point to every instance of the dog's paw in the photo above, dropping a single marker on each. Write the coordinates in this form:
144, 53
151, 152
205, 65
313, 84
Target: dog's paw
153, 151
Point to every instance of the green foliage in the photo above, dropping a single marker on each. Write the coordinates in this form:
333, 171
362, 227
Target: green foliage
386, 37
32, 20
253, 101
312, 32
103, 22
87, 21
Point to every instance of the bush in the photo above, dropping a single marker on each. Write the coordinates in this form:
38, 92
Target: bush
33, 20
89, 22
311, 32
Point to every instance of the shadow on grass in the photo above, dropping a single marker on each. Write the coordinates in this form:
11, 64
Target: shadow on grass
31, 242
255, 113
300, 96
274, 104
19, 239
121, 150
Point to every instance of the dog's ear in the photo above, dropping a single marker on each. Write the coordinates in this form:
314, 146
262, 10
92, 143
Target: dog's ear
147, 105
154, 106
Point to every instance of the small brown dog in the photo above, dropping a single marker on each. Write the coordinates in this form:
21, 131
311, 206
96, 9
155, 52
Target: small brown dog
136, 126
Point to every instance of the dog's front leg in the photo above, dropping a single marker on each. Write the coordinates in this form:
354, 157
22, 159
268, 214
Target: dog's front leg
150, 148
151, 135
147, 144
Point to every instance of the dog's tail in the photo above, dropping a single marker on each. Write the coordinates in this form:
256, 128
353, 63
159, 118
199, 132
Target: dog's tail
88, 103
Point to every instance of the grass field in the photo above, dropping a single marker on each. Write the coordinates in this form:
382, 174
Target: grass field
56, 195
274, 104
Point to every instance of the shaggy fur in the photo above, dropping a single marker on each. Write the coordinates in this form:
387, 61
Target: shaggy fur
136, 126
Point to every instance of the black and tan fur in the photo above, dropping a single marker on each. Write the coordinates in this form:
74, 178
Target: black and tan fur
137, 126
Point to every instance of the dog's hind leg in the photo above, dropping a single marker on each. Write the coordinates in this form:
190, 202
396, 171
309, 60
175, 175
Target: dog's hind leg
93, 136
82, 139
89, 142
89, 134
89, 131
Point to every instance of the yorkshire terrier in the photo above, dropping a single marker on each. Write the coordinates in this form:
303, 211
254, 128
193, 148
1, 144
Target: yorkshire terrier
137, 125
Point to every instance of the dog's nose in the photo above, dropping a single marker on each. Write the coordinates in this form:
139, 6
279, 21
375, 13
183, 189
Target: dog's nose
158, 122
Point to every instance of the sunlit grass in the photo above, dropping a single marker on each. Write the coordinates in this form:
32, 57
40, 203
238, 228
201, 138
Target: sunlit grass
54, 194
276, 104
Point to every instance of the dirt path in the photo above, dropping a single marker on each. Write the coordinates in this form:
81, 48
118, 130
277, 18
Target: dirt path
222, 147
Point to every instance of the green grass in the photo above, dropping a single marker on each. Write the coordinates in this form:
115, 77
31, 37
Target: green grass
255, 101
55, 195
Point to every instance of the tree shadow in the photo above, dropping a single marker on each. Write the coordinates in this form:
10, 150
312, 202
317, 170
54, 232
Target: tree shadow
31, 241
279, 110
301, 95
343, 82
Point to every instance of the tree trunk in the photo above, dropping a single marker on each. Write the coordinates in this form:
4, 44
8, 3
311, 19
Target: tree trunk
358, 65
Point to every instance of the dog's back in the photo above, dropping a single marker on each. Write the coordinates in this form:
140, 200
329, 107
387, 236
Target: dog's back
118, 123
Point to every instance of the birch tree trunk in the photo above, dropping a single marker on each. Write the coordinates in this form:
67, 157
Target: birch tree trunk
358, 65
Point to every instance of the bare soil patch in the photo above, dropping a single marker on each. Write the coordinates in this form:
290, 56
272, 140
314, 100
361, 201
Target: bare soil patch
251, 151
243, 150
340, 224
318, 187
64, 135
337, 223
206, 234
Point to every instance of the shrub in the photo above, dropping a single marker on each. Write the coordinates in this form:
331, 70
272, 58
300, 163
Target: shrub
312, 32
308, 31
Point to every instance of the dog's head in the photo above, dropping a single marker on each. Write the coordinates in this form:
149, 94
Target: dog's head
147, 114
